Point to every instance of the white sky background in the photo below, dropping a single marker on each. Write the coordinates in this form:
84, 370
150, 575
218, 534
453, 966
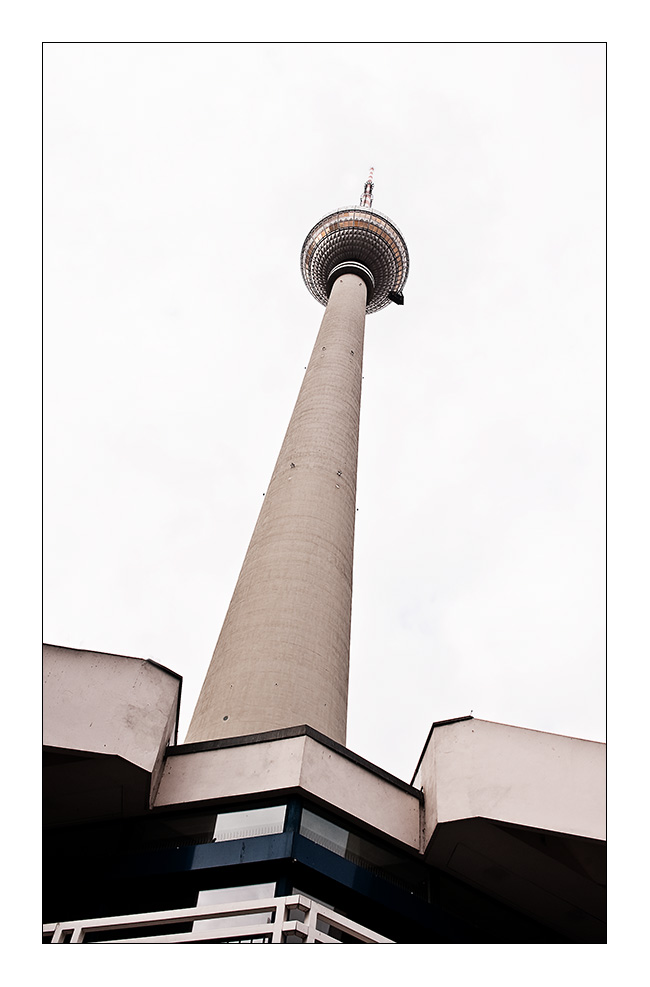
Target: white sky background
180, 182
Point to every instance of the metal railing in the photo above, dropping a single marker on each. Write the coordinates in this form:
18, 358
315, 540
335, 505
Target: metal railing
293, 918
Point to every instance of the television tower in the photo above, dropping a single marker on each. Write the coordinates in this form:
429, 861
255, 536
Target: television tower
282, 656
263, 827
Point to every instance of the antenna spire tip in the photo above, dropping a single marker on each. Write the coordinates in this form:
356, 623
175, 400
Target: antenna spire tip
366, 197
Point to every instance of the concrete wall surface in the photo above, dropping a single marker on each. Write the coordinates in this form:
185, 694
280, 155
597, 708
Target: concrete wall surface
108, 704
231, 772
476, 768
288, 765
371, 799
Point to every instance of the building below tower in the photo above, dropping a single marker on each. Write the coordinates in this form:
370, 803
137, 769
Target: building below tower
287, 836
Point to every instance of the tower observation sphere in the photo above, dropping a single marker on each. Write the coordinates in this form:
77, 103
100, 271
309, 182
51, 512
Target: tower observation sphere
356, 240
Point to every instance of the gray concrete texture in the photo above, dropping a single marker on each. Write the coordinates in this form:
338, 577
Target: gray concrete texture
108, 704
282, 657
479, 769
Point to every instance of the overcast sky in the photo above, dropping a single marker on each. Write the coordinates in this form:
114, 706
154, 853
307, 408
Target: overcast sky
180, 182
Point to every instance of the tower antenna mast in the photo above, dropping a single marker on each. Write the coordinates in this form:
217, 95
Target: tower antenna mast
366, 198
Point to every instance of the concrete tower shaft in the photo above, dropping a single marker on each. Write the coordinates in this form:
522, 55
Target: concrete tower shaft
283, 654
